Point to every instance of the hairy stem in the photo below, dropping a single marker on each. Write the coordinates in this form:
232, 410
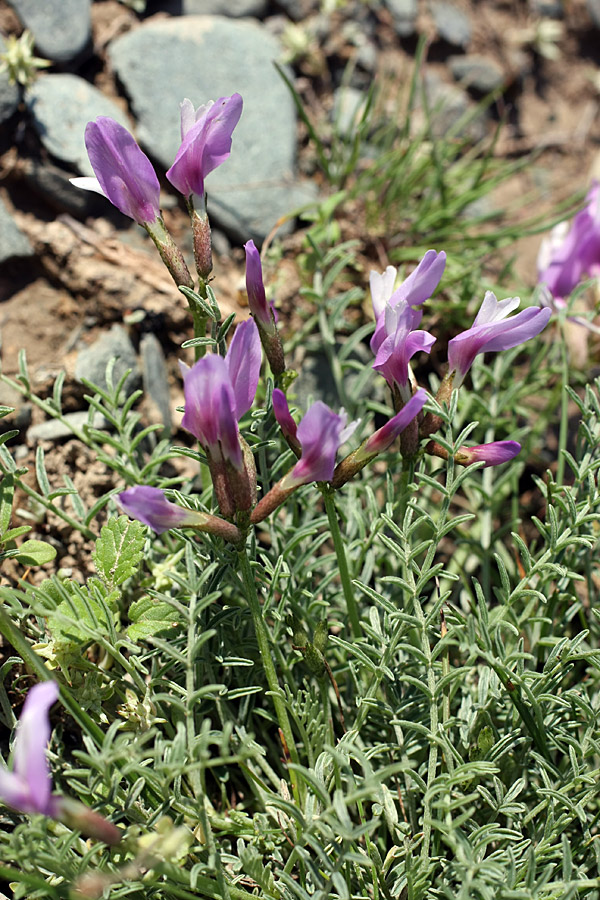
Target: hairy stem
340, 552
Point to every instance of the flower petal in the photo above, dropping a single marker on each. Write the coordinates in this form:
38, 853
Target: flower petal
243, 361
33, 734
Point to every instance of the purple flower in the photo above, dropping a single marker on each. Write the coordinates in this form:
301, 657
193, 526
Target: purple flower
150, 506
492, 331
386, 435
572, 253
493, 454
219, 391
255, 289
320, 434
28, 788
205, 142
397, 343
284, 417
414, 290
124, 174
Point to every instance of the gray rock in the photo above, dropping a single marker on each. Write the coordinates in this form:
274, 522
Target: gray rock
297, 10
348, 106
235, 9
9, 93
552, 9
53, 185
92, 361
477, 72
61, 106
12, 240
203, 58
451, 23
56, 429
154, 372
61, 28
594, 11
404, 16
448, 105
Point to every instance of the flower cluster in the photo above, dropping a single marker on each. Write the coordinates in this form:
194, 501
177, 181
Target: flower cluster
221, 387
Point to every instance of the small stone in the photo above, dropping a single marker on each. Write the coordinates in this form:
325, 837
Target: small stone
235, 9
154, 373
552, 9
92, 361
594, 11
452, 24
9, 93
297, 10
12, 240
448, 105
61, 106
348, 106
62, 28
404, 16
477, 72
53, 185
56, 429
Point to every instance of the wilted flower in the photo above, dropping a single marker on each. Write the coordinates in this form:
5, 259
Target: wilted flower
492, 331
28, 788
205, 142
219, 391
124, 174
569, 254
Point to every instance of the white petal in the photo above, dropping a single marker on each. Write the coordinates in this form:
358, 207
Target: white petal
88, 183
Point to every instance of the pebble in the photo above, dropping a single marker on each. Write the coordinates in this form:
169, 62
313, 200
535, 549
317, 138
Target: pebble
154, 373
452, 24
61, 106
53, 185
91, 362
62, 28
348, 106
56, 429
404, 16
552, 9
12, 240
9, 93
297, 10
448, 104
594, 11
203, 58
477, 72
235, 9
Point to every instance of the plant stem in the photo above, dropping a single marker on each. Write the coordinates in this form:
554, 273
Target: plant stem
340, 552
264, 647
433, 727
564, 410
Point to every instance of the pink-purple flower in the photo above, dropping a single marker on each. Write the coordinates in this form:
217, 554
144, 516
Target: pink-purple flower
492, 330
320, 435
28, 788
414, 290
570, 254
219, 391
397, 342
205, 142
284, 418
124, 174
257, 300
150, 506
493, 454
384, 437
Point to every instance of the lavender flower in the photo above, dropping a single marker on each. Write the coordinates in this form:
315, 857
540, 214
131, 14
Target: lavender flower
492, 331
493, 454
320, 434
205, 142
413, 291
124, 174
255, 289
396, 344
28, 788
219, 391
384, 437
150, 506
285, 421
572, 253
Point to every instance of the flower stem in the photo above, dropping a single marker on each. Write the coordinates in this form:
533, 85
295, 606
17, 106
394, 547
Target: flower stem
564, 411
264, 647
340, 552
